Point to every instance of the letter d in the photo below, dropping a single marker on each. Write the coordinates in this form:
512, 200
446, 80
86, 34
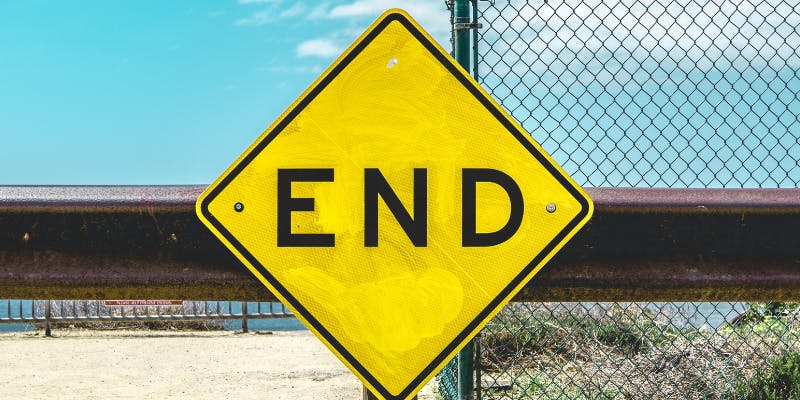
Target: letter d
469, 179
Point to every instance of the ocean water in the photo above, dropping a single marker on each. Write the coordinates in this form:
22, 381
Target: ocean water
16, 327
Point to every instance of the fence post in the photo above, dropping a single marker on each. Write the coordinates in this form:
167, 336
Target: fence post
461, 44
47, 332
244, 317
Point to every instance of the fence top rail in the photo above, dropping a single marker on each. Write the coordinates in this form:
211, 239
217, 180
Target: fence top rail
181, 198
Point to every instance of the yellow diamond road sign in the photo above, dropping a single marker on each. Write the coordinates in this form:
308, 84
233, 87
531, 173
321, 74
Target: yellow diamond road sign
395, 207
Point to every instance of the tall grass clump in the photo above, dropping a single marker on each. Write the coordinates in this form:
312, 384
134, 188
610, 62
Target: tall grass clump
779, 381
634, 351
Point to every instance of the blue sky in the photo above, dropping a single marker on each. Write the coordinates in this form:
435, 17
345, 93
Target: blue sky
161, 92
620, 92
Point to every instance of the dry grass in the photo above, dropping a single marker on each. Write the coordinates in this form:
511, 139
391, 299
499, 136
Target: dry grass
153, 325
532, 351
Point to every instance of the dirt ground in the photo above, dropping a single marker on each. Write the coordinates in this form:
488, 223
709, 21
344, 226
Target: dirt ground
79, 364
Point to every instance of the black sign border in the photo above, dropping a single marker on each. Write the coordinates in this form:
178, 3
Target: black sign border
448, 63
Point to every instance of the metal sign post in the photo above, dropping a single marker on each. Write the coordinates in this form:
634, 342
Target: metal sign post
461, 52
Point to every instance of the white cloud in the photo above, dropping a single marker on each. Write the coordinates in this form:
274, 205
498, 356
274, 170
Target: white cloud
275, 11
432, 15
256, 19
319, 11
352, 17
319, 47
293, 11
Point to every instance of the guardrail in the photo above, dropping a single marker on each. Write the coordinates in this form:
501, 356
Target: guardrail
100, 242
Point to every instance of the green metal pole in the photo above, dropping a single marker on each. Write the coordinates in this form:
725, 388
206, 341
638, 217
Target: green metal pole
461, 47
475, 49
461, 18
465, 368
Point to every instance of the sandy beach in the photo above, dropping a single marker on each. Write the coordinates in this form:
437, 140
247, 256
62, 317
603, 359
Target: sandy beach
80, 364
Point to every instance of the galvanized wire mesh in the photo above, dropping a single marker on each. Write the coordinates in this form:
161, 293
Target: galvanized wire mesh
646, 93
655, 351
660, 93
641, 351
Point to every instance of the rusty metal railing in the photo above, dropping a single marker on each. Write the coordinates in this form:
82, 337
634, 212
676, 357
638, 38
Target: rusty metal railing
95, 242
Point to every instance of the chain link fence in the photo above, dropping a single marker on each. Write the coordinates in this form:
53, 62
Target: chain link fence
646, 93
652, 93
642, 351
583, 351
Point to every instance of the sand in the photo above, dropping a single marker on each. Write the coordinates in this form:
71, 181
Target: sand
80, 364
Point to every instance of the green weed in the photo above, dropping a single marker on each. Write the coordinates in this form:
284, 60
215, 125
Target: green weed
779, 381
